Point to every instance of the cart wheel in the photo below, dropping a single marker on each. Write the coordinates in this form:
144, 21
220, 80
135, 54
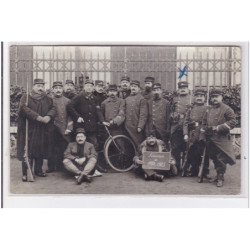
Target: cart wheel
119, 153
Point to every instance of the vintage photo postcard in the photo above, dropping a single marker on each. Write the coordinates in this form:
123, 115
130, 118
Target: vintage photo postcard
147, 125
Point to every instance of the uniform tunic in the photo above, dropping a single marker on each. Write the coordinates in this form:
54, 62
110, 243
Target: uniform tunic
136, 111
114, 109
62, 120
85, 106
158, 117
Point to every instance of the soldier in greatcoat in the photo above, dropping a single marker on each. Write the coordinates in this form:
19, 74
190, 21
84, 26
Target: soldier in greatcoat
124, 91
69, 89
100, 95
40, 113
216, 125
86, 112
147, 93
178, 111
136, 114
113, 110
63, 126
158, 115
191, 130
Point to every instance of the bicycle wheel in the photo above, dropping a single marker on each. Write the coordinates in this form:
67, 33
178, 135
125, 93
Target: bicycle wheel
119, 153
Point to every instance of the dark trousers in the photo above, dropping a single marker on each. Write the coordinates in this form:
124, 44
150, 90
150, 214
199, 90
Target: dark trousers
219, 158
60, 145
92, 138
194, 159
178, 146
38, 164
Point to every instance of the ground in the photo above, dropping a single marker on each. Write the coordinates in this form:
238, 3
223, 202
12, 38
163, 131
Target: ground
122, 183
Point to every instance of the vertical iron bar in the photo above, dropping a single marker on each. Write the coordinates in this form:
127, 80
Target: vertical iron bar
214, 68
221, 58
37, 65
98, 66
43, 66
207, 68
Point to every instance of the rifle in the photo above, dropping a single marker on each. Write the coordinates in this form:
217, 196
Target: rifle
201, 169
30, 176
184, 165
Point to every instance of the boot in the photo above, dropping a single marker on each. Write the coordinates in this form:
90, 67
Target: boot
158, 177
220, 180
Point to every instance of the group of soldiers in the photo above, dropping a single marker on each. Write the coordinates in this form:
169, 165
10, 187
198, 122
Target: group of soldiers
67, 128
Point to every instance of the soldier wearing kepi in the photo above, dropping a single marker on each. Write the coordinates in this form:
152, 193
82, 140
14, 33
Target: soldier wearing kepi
63, 126
136, 111
80, 157
85, 112
191, 130
216, 125
124, 87
158, 115
100, 91
178, 110
147, 93
69, 89
113, 110
40, 113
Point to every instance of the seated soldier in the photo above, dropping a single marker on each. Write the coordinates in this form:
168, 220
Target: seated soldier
80, 157
154, 145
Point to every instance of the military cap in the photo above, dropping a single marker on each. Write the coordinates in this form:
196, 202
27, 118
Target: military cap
112, 87
99, 82
200, 92
216, 92
125, 78
89, 81
182, 84
150, 79
38, 81
80, 130
156, 86
57, 83
69, 82
135, 82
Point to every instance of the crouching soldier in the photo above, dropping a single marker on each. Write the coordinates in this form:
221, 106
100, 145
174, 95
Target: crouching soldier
153, 145
80, 158
216, 125
191, 130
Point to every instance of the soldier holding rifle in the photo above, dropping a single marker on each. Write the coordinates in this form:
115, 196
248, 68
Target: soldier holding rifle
38, 109
216, 125
191, 131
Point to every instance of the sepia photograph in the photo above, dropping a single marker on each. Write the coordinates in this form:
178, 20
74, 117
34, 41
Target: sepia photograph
115, 119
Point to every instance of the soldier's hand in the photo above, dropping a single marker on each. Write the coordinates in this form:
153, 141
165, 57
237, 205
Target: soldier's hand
46, 119
106, 124
67, 131
81, 160
138, 161
139, 130
185, 138
39, 118
80, 119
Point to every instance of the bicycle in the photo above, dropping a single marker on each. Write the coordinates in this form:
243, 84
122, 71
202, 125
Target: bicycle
119, 151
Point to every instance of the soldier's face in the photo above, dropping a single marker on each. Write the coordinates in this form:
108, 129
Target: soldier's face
148, 85
99, 88
125, 84
134, 89
151, 140
58, 90
88, 88
112, 93
199, 98
38, 88
69, 87
157, 93
216, 99
183, 90
80, 138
